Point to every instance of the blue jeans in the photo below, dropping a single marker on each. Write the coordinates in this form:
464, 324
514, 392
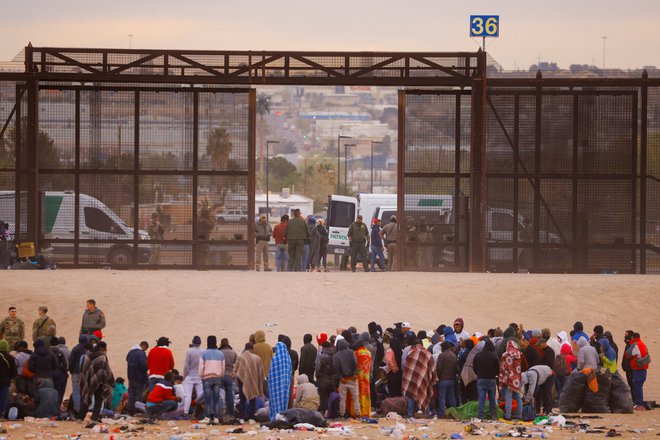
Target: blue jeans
446, 395
377, 251
228, 386
487, 386
412, 406
509, 394
4, 395
281, 258
212, 396
560, 381
157, 410
75, 392
638, 379
305, 256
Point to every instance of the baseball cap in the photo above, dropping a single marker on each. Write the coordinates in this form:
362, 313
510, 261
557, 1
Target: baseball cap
406, 325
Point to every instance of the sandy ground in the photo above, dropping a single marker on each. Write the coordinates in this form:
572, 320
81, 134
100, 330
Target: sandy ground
143, 305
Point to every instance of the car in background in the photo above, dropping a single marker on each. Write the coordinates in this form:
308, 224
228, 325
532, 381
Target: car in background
232, 216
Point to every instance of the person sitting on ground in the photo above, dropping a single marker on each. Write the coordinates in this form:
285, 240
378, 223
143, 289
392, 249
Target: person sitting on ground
118, 391
47, 406
307, 396
161, 399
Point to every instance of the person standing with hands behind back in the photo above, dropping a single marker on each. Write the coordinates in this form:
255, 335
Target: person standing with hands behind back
296, 234
358, 239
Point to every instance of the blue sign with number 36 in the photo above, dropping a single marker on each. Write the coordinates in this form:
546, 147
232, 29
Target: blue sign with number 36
484, 25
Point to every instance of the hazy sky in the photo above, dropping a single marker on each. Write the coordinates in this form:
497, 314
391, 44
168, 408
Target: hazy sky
564, 31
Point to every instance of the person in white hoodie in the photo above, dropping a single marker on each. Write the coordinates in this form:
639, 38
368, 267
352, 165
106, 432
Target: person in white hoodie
191, 379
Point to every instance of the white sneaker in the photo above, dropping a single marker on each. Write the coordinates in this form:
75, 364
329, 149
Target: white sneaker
205, 421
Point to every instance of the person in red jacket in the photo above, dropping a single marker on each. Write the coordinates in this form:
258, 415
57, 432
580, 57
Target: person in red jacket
159, 361
161, 398
639, 358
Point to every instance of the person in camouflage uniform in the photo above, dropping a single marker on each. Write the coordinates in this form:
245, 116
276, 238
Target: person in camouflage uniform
44, 327
12, 327
156, 232
205, 224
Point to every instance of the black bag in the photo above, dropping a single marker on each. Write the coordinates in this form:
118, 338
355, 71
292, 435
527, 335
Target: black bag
598, 402
620, 397
572, 395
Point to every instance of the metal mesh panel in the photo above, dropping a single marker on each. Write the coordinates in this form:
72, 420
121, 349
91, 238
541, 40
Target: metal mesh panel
107, 129
57, 132
57, 212
557, 134
653, 182
8, 119
223, 131
166, 130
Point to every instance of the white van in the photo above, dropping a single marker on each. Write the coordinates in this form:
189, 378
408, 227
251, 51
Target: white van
96, 222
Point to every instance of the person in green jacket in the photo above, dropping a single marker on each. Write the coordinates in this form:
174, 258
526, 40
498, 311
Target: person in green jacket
358, 239
296, 234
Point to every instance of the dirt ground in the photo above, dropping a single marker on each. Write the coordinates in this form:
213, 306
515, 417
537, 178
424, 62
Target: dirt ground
144, 305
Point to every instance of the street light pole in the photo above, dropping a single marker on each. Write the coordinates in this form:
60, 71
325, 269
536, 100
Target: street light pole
372, 163
339, 138
267, 191
346, 166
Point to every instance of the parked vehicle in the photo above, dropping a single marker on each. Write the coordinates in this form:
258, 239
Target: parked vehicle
232, 216
96, 222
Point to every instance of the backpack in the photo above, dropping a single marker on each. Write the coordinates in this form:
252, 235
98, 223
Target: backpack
560, 367
61, 360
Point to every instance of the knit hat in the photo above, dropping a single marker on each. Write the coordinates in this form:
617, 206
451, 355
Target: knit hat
61, 340
98, 334
212, 341
321, 338
197, 341
4, 345
459, 321
102, 345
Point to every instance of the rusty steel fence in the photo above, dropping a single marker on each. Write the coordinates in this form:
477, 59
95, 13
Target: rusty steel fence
128, 158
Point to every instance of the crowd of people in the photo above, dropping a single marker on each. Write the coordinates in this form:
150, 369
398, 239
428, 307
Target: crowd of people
302, 245
347, 373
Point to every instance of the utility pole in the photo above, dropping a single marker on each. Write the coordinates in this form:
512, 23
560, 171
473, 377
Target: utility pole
604, 40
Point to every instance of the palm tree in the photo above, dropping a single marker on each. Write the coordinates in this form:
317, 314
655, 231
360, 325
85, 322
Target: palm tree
263, 108
219, 148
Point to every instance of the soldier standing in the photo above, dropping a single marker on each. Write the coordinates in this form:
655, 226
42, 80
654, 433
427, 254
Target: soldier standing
390, 234
262, 233
205, 224
12, 327
358, 239
44, 327
93, 319
156, 232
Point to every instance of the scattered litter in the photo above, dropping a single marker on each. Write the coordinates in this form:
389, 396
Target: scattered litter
270, 324
304, 427
456, 435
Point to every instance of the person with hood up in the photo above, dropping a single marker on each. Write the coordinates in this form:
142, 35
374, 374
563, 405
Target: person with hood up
77, 353
279, 381
587, 355
487, 368
578, 332
249, 372
345, 364
137, 375
211, 371
308, 355
43, 361
325, 374
459, 330
419, 378
510, 334
450, 336
7, 373
191, 379
96, 380
468, 390
510, 378
60, 375
607, 355
566, 355
540, 381
364, 359
263, 350
307, 396
160, 360
46, 400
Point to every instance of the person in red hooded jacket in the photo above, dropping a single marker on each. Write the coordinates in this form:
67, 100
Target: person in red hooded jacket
639, 358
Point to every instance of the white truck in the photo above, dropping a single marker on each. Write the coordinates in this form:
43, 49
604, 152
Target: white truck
96, 222
343, 210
